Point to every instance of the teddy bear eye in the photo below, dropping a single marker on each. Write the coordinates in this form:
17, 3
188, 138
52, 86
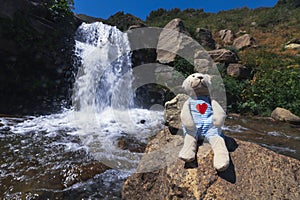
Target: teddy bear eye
193, 76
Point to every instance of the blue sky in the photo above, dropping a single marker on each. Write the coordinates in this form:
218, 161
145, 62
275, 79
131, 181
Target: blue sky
141, 8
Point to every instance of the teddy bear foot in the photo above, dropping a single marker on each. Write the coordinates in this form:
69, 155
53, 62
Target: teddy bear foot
221, 155
188, 150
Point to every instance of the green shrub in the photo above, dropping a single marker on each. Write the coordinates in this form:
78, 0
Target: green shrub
271, 89
183, 66
59, 8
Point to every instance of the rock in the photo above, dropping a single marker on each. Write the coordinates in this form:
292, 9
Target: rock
202, 61
204, 37
241, 32
294, 41
227, 36
254, 173
59, 178
238, 71
36, 51
282, 114
292, 46
223, 56
132, 144
244, 41
9, 7
172, 111
171, 41
140, 25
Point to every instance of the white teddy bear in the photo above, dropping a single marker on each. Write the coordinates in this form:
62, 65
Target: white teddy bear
202, 117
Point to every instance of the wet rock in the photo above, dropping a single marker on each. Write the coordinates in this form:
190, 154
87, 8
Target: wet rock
238, 71
244, 41
60, 177
254, 173
131, 144
227, 36
204, 37
282, 114
171, 41
223, 56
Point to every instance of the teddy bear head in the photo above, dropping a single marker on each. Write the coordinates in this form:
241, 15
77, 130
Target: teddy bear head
197, 84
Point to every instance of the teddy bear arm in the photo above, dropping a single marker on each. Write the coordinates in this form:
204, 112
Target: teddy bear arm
186, 117
219, 114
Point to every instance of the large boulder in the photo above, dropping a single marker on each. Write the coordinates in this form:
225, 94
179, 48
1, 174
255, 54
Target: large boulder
282, 114
204, 37
254, 173
227, 36
171, 41
244, 41
223, 56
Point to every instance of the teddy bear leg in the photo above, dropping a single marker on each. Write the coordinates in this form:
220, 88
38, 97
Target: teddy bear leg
221, 155
188, 150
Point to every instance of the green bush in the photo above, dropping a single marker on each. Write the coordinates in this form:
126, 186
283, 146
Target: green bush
183, 66
59, 8
271, 89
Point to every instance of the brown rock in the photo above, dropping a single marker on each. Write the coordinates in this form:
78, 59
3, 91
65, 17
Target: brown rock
282, 114
254, 173
171, 40
244, 41
173, 109
223, 56
238, 71
227, 36
131, 144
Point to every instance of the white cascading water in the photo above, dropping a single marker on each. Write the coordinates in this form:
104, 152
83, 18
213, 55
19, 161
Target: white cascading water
104, 54
103, 96
103, 110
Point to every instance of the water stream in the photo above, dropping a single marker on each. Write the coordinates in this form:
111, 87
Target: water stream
64, 155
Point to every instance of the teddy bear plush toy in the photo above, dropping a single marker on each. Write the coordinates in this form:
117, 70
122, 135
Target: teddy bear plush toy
202, 117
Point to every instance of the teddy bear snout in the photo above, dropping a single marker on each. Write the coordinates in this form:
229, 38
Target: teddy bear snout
200, 77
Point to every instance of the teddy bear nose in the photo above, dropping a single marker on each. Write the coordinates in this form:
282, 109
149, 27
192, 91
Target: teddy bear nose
200, 77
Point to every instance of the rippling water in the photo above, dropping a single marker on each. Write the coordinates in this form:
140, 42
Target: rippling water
47, 156
280, 137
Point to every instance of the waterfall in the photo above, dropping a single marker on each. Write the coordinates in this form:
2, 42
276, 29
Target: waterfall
104, 72
103, 97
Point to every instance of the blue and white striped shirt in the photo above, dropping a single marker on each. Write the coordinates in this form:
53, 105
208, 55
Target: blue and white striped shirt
202, 113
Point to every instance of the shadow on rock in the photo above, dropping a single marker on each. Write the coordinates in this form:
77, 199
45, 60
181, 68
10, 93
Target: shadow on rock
229, 174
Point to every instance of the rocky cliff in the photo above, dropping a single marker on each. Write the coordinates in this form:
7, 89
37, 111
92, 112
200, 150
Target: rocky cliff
35, 56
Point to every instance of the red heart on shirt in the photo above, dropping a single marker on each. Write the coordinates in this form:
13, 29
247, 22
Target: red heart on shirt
201, 108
